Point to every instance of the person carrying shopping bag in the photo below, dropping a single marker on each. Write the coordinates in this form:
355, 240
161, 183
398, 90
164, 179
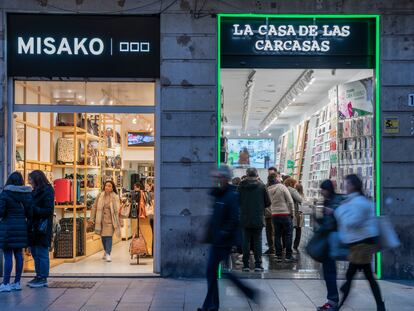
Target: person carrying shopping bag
358, 228
15, 218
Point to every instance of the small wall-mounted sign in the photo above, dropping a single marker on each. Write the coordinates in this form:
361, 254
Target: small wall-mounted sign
411, 100
391, 125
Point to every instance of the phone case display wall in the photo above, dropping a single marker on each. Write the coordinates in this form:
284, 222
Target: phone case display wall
340, 140
302, 132
286, 153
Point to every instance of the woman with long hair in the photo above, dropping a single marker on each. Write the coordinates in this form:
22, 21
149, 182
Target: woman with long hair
358, 227
290, 183
105, 217
15, 217
43, 209
327, 225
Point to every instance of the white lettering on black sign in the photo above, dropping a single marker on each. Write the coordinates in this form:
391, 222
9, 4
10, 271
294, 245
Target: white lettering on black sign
285, 37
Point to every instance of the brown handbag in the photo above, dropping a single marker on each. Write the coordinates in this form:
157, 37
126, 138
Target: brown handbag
138, 245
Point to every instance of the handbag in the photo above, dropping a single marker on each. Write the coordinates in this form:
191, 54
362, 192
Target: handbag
388, 238
138, 245
125, 210
42, 227
318, 247
337, 249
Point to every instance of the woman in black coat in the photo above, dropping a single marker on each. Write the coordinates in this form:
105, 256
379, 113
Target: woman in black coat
15, 217
43, 210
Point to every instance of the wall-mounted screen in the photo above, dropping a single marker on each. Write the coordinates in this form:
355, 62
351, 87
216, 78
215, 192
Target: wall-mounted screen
259, 153
140, 139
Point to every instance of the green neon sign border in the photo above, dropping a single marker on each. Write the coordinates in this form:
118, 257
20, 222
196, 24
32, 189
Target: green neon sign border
377, 90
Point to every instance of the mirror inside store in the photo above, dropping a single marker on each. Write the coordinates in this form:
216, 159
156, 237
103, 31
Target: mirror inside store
310, 125
80, 153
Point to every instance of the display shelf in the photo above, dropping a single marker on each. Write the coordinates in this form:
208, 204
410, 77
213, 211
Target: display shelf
69, 129
72, 166
70, 206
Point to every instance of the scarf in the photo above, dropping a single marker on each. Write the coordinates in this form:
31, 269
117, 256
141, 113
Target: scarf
114, 206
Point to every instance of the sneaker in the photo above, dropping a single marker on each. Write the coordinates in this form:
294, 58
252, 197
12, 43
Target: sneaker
108, 258
104, 256
41, 282
16, 286
259, 269
269, 252
327, 307
34, 280
290, 259
279, 259
5, 288
246, 269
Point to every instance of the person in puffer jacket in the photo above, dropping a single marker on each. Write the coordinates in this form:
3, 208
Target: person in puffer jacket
15, 217
358, 227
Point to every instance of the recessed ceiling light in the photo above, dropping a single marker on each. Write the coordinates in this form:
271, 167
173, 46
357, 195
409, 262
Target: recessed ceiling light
70, 91
270, 134
134, 120
248, 134
227, 133
92, 103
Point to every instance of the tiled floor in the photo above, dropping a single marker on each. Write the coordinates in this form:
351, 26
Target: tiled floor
156, 294
120, 265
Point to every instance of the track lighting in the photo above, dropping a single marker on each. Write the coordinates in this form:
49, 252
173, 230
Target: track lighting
298, 87
247, 99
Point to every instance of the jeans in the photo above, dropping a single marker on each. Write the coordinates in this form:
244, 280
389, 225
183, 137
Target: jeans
329, 274
252, 236
350, 273
41, 258
298, 235
107, 244
270, 235
283, 232
8, 264
218, 254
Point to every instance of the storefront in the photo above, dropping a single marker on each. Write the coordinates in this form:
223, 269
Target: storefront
301, 93
83, 98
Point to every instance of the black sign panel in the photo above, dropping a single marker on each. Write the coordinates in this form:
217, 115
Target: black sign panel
110, 46
266, 42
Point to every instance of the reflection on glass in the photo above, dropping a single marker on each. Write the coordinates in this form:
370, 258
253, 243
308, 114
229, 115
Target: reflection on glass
84, 93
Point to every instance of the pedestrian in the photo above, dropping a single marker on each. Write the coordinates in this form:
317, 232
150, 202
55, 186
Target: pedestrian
290, 183
105, 217
15, 218
41, 240
282, 208
327, 224
270, 231
222, 234
236, 181
358, 228
299, 218
253, 201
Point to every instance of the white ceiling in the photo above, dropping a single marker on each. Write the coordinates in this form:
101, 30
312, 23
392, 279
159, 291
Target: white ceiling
270, 85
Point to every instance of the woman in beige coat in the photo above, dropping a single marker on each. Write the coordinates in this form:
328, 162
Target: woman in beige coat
105, 217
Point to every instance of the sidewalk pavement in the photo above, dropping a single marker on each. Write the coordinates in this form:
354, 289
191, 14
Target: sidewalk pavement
157, 294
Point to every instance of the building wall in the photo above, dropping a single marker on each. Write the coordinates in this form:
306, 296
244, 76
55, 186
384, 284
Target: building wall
188, 111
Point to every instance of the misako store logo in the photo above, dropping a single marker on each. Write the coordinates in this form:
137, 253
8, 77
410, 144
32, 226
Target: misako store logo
78, 46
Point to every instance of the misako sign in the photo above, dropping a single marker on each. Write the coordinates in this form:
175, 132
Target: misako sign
46, 45
299, 42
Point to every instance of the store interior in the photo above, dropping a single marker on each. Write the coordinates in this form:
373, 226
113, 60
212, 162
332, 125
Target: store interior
79, 152
311, 124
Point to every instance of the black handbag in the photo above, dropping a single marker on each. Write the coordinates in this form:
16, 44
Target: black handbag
318, 247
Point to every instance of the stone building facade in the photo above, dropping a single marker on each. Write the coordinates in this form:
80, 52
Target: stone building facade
188, 103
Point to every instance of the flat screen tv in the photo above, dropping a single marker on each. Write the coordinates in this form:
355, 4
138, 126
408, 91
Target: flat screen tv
140, 139
259, 153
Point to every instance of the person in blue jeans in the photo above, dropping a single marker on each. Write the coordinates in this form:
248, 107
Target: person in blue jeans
15, 218
43, 197
328, 224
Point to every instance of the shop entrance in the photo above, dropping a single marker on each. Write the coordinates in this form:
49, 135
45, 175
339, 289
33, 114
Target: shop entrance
297, 97
82, 134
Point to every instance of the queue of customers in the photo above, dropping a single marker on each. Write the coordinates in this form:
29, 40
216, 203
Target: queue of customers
26, 221
276, 206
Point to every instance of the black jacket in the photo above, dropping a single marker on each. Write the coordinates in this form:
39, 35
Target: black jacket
327, 222
224, 223
15, 215
253, 201
43, 208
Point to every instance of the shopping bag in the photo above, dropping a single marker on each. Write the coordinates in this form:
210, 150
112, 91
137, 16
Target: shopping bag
125, 210
337, 249
388, 236
318, 247
138, 245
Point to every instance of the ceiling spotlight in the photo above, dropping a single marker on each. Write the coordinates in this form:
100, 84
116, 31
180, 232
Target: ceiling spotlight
227, 133
294, 99
270, 134
92, 103
111, 102
134, 120
239, 134
248, 134
121, 3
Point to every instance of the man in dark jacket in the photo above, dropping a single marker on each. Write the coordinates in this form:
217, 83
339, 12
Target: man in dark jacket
253, 201
222, 234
